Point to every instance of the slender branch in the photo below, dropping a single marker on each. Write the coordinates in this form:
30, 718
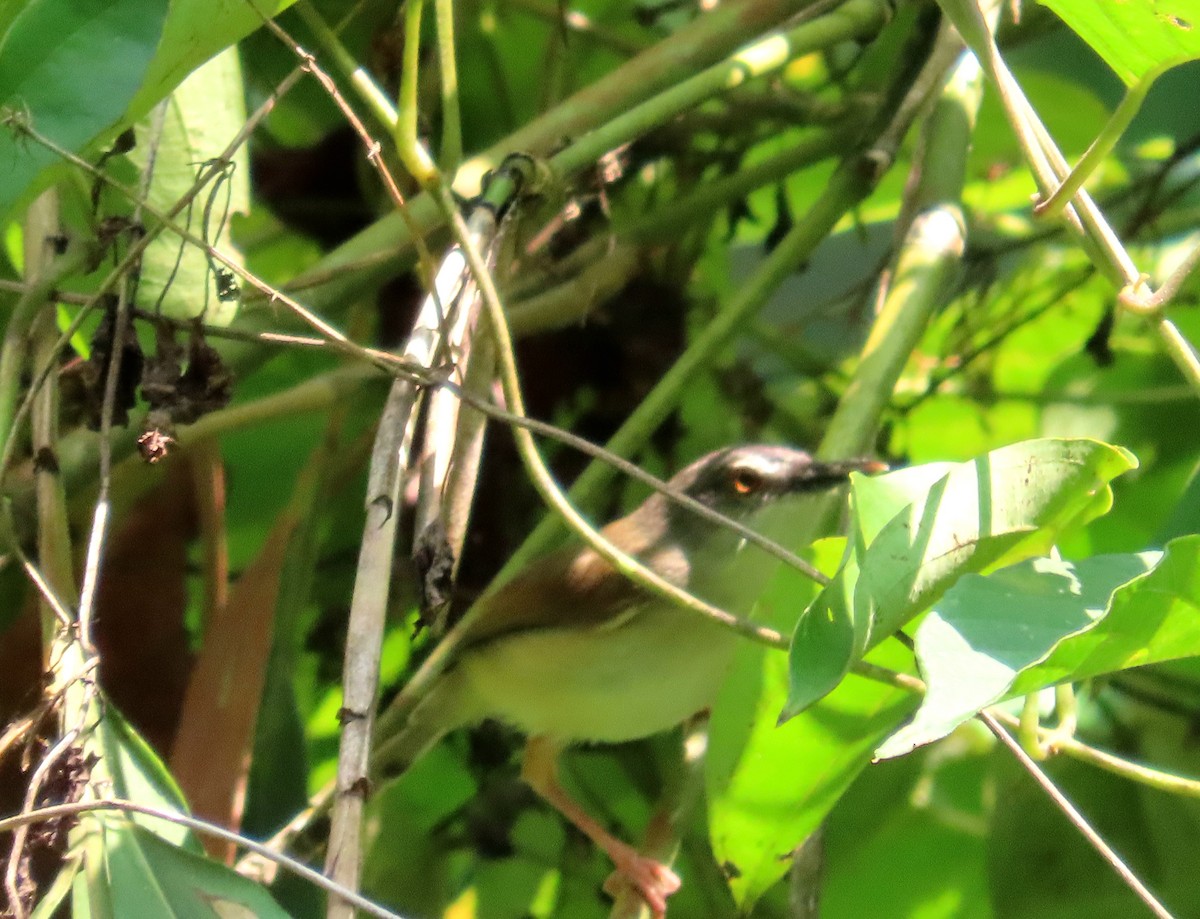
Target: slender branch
17, 856
412, 152
360, 78
1099, 148
579, 23
451, 151
1077, 819
1050, 169
301, 870
364, 634
382, 250
54, 541
1168, 782
383, 109
1161, 298
54, 549
207, 173
14, 348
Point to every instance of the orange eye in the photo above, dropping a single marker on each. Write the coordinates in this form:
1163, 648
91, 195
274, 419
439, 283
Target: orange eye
745, 481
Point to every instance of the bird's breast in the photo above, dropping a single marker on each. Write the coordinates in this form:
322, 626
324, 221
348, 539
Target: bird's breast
646, 673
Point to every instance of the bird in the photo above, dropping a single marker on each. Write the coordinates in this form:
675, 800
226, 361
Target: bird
569, 651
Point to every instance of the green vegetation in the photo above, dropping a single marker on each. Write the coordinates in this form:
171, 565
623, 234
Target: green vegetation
830, 223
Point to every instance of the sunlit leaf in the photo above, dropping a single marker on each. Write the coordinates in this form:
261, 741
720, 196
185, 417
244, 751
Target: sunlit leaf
135, 865
769, 786
1138, 39
988, 629
195, 31
135, 773
1154, 618
915, 532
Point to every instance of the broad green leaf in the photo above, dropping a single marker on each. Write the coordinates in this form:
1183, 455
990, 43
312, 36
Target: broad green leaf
142, 875
132, 865
792, 775
1138, 39
769, 786
135, 773
988, 629
916, 531
195, 31
202, 116
70, 68
1155, 618
81, 69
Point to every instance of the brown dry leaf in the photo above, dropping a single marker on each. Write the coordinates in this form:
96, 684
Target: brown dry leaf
145, 654
211, 755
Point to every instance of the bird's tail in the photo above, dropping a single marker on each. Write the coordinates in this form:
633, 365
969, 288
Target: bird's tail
444, 707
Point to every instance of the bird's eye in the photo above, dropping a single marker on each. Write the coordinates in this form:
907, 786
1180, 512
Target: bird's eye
745, 481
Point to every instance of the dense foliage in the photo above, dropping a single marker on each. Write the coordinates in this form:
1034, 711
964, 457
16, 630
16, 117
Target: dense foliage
821, 222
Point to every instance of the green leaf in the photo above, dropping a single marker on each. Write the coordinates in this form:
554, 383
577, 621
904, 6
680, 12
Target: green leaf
135, 773
142, 875
986, 630
792, 775
916, 531
1138, 40
53, 895
71, 68
769, 786
195, 31
203, 115
909, 834
134, 865
1155, 618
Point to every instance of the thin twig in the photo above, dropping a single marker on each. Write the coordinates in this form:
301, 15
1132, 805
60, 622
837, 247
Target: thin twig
412, 152
1050, 169
1168, 782
303, 871
374, 149
116, 357
273, 295
49, 596
1077, 819
17, 856
364, 637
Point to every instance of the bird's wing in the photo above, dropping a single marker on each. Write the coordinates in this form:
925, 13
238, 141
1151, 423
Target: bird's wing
570, 588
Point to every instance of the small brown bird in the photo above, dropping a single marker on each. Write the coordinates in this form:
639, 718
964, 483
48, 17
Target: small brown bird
570, 651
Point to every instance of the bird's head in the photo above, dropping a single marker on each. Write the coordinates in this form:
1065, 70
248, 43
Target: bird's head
759, 485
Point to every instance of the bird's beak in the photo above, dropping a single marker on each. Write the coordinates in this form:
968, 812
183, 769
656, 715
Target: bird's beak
817, 475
